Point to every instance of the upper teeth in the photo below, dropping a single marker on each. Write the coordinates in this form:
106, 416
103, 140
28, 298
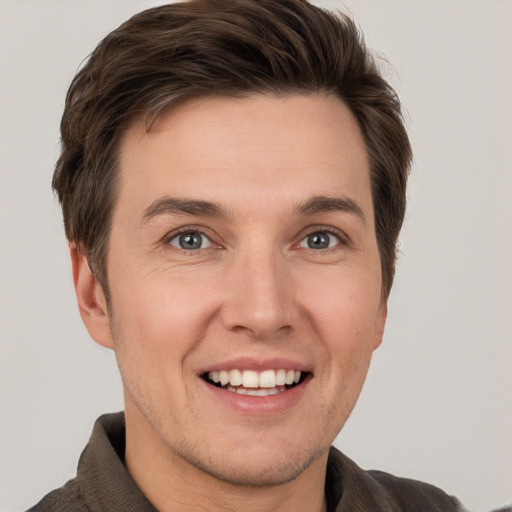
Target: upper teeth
254, 379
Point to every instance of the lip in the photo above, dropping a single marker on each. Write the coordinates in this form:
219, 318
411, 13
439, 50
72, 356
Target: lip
251, 363
257, 406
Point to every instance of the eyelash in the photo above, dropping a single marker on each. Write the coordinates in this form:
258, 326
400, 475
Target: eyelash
343, 240
341, 237
187, 230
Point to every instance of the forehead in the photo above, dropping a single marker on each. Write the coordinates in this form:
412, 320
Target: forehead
255, 149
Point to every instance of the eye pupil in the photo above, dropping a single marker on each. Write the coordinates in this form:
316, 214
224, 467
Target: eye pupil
190, 240
318, 241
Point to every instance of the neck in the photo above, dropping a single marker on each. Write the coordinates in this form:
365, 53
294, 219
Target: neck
171, 483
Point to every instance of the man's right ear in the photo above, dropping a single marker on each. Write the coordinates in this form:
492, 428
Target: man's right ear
91, 299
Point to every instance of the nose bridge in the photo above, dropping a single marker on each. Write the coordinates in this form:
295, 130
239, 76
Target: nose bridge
260, 291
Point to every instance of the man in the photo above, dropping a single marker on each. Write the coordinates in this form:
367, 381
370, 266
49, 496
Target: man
233, 179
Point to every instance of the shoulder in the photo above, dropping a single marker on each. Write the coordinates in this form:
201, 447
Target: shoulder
356, 489
413, 495
66, 498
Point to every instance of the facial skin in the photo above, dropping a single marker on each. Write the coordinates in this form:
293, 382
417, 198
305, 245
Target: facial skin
272, 278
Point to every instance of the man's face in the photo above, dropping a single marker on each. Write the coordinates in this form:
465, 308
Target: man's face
243, 247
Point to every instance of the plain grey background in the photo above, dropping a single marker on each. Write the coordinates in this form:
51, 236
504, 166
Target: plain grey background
437, 404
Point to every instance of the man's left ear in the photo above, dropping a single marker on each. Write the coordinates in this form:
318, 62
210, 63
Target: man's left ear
91, 299
380, 323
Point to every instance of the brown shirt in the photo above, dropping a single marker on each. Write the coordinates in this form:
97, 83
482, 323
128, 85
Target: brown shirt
103, 484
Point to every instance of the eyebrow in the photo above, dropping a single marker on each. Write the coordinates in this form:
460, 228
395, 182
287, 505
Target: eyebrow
317, 205
323, 204
178, 206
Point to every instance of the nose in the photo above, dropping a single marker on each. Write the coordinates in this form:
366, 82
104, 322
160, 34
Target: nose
260, 295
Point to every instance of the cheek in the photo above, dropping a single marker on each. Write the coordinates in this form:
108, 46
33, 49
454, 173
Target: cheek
157, 314
344, 306
155, 325
344, 313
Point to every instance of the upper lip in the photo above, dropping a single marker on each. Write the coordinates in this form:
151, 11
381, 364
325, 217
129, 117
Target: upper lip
256, 364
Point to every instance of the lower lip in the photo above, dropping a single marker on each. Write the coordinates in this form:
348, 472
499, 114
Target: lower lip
259, 405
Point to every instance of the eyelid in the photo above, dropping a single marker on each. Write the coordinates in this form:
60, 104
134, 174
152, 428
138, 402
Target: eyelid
343, 238
209, 243
190, 229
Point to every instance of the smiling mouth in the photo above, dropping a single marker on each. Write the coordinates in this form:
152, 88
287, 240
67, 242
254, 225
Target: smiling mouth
254, 383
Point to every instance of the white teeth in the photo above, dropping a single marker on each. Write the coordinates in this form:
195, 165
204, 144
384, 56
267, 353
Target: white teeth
267, 379
235, 377
224, 377
249, 379
280, 377
255, 392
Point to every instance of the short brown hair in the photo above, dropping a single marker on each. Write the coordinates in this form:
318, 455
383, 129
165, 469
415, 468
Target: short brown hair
218, 47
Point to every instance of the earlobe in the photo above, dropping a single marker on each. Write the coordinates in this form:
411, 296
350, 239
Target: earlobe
380, 323
91, 299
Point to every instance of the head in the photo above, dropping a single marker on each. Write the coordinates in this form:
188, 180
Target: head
234, 174
168, 54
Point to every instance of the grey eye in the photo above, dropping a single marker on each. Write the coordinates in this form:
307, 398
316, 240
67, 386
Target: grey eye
191, 241
320, 240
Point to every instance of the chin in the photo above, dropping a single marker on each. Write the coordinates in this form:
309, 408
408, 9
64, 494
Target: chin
258, 467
